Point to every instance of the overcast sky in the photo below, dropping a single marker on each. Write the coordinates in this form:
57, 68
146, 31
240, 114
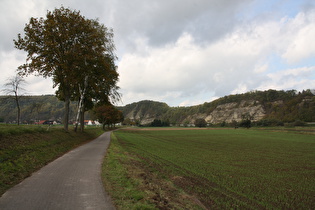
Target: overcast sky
186, 52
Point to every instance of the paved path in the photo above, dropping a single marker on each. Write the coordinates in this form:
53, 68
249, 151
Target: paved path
72, 181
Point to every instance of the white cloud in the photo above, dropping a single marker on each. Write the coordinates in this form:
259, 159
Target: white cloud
298, 78
302, 45
188, 69
238, 62
187, 52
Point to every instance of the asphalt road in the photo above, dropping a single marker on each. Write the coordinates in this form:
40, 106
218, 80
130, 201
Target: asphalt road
72, 181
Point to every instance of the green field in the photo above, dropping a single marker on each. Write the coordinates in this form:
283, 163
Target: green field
226, 168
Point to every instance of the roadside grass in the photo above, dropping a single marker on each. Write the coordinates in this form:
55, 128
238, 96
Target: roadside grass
8, 130
132, 186
220, 169
25, 149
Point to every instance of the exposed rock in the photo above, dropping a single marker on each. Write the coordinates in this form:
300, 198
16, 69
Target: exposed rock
232, 112
285, 106
228, 112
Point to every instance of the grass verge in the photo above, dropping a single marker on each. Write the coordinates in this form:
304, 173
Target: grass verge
25, 149
134, 186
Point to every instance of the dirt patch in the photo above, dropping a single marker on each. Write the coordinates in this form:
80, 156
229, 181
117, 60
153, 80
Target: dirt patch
160, 191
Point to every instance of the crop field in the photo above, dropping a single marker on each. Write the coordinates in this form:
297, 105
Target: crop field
230, 168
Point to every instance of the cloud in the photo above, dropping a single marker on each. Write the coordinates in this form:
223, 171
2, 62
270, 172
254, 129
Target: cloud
163, 22
298, 79
186, 52
236, 63
188, 69
302, 30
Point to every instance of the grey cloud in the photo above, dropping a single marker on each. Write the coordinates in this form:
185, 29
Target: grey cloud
165, 21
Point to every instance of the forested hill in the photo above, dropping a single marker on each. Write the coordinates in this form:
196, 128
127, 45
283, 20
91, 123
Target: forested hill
262, 106
45, 107
266, 107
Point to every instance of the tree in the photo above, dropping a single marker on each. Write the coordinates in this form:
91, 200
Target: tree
160, 123
200, 122
246, 120
108, 115
70, 48
14, 86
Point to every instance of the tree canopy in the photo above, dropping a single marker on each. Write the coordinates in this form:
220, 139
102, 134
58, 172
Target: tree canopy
71, 49
108, 115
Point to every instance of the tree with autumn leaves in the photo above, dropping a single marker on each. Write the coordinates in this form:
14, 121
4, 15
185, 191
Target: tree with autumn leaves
108, 115
78, 53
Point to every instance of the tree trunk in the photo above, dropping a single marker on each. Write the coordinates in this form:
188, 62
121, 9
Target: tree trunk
80, 113
82, 119
66, 117
18, 107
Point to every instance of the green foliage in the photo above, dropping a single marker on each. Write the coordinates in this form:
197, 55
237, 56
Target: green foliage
76, 52
269, 122
108, 115
224, 169
246, 123
200, 122
160, 123
145, 108
34, 108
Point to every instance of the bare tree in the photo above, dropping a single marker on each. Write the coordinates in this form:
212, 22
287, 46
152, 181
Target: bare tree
13, 89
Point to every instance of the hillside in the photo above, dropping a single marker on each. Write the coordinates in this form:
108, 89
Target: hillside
269, 106
261, 106
33, 108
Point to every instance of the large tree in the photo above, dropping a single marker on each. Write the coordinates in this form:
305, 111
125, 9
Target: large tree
71, 49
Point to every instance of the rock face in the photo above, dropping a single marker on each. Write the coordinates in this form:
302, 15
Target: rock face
144, 112
141, 116
235, 112
230, 112
270, 105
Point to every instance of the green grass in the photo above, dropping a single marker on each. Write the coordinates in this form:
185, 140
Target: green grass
9, 130
25, 149
229, 168
117, 181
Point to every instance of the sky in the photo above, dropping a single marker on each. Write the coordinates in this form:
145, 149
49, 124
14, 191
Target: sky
185, 52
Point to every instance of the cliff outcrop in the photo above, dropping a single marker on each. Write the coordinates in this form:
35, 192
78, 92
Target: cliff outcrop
284, 106
231, 112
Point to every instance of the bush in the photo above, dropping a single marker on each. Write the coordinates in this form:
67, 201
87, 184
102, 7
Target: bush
299, 123
269, 122
160, 123
200, 122
246, 123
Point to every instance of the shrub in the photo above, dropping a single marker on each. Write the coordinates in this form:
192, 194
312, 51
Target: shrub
200, 122
246, 123
299, 123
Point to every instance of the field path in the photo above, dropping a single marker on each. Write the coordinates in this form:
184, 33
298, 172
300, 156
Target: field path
72, 181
